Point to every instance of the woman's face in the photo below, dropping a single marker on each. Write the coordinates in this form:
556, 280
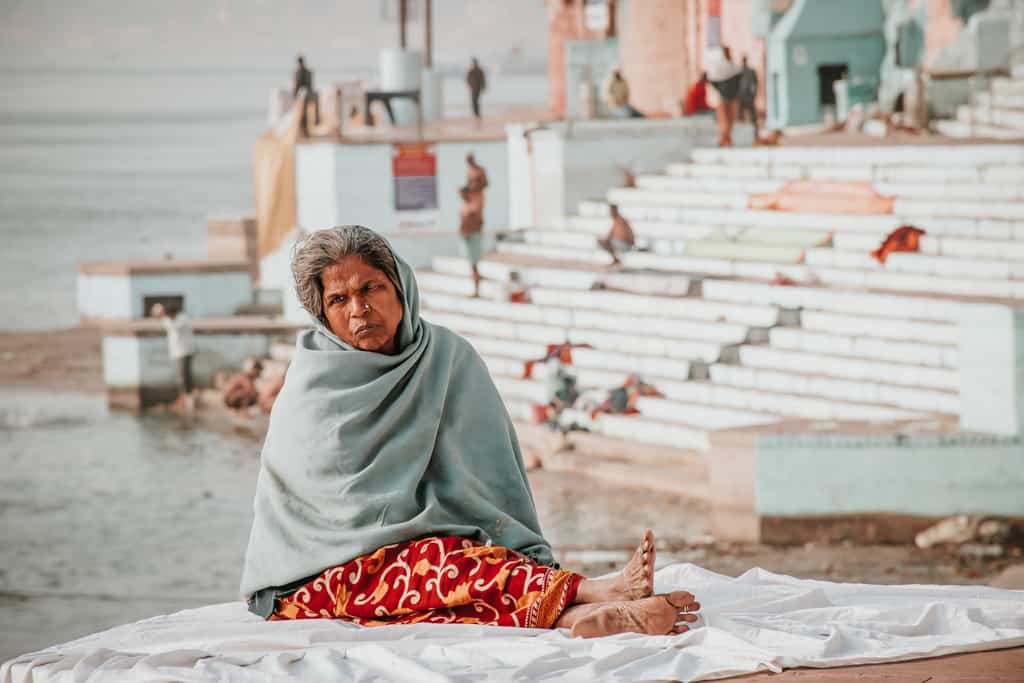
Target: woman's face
361, 305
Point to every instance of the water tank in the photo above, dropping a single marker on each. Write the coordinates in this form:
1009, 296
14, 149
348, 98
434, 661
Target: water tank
400, 70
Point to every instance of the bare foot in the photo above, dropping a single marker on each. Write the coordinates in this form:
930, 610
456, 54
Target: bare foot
635, 582
637, 578
658, 615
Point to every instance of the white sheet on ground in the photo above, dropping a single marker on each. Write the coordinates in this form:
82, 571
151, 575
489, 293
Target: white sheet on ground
759, 621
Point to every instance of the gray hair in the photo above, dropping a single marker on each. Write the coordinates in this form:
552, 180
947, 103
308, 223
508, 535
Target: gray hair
324, 248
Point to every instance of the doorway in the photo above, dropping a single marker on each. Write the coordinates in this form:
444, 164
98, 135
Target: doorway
828, 74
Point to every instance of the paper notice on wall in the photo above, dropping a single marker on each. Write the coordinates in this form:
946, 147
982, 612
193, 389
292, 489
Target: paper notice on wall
414, 167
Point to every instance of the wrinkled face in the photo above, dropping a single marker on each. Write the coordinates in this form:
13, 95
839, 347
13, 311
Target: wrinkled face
361, 305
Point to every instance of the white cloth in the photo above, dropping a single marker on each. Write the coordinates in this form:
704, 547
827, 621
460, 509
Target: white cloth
179, 336
759, 621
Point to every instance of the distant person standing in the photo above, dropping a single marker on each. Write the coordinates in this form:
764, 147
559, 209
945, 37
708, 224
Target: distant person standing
476, 176
620, 238
303, 81
725, 77
181, 349
476, 79
471, 227
748, 95
471, 218
697, 97
616, 96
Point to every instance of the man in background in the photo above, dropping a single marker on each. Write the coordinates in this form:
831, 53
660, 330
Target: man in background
180, 348
477, 82
303, 81
616, 95
748, 94
620, 238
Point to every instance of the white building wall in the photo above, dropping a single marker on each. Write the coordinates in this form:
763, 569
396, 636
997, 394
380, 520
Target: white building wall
121, 297
104, 296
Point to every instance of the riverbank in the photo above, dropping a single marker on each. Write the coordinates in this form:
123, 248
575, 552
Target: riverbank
110, 517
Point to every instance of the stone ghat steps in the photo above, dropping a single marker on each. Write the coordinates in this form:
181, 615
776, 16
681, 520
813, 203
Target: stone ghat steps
673, 347
835, 388
911, 262
844, 367
904, 274
1002, 250
972, 160
748, 249
572, 273
765, 170
866, 347
1003, 100
661, 421
992, 115
953, 226
955, 128
906, 188
545, 297
856, 303
696, 266
907, 209
654, 232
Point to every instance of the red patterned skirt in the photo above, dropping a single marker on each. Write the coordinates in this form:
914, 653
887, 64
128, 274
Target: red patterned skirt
436, 580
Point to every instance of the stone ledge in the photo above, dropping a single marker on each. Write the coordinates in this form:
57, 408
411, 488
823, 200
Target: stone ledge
162, 267
150, 327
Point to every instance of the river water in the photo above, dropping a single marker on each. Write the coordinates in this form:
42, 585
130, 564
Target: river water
107, 518
121, 163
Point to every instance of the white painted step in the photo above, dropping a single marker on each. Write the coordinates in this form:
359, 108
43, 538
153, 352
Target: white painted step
860, 391
434, 285
672, 284
597, 226
885, 329
927, 283
871, 348
670, 264
784, 404
961, 189
900, 156
921, 263
666, 347
899, 307
904, 374
673, 307
787, 220
959, 247
954, 128
657, 200
992, 116
698, 334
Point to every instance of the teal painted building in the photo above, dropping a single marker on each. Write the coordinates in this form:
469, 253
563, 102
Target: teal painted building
815, 44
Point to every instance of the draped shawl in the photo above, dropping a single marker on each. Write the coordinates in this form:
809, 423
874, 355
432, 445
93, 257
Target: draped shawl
366, 449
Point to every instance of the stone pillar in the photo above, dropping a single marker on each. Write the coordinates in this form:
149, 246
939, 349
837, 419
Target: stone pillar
657, 49
992, 369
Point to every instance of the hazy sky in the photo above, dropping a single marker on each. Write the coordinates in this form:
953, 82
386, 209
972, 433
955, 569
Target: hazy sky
254, 32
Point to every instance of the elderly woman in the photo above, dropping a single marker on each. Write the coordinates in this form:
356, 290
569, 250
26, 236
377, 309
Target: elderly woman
392, 489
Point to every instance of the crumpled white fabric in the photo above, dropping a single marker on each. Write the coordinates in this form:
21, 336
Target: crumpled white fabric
758, 621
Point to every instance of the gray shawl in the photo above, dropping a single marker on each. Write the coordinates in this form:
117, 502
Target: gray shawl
365, 450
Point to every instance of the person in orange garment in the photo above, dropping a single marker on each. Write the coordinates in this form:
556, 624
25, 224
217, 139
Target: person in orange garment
903, 238
697, 97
